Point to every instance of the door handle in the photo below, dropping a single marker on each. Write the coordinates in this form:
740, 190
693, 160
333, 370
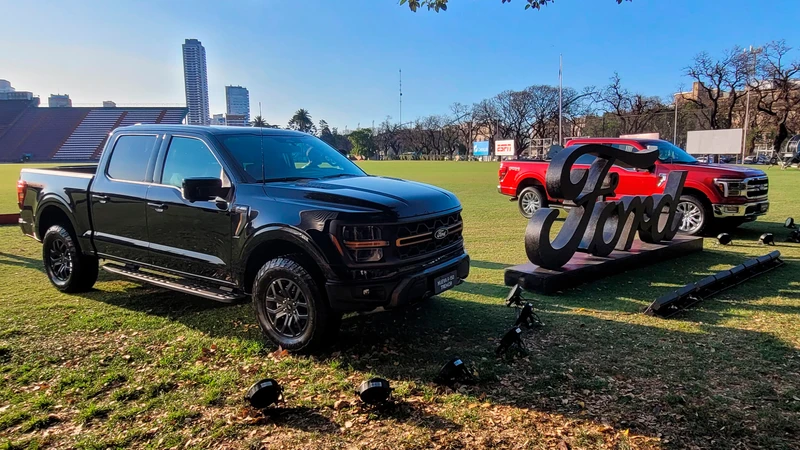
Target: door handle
100, 198
158, 207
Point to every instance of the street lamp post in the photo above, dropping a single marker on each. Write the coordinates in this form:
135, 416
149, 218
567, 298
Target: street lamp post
675, 122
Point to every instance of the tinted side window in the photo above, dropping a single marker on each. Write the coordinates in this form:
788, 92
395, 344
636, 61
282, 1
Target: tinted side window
130, 157
189, 158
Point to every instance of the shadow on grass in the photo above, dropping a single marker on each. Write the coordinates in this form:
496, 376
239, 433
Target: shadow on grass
8, 259
690, 379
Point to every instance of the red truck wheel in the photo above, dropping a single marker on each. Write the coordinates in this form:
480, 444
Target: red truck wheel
695, 215
530, 199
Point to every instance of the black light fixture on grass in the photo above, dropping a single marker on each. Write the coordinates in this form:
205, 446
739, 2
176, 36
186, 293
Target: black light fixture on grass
794, 236
455, 371
264, 393
724, 238
511, 340
528, 318
374, 391
767, 239
514, 297
789, 223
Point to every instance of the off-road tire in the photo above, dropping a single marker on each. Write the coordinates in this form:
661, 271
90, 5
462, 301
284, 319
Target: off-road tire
322, 323
82, 272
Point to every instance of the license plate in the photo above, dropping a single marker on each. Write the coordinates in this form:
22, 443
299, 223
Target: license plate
444, 282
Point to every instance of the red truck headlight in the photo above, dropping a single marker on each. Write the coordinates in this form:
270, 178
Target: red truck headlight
731, 188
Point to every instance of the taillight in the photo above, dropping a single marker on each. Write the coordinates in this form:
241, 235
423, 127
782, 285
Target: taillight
21, 187
502, 172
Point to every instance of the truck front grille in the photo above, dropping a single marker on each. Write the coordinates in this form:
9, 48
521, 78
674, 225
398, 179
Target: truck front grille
757, 187
427, 236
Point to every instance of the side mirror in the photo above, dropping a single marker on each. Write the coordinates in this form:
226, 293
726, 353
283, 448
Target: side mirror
202, 189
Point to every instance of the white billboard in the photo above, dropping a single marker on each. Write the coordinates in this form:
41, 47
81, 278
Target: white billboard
641, 136
504, 148
714, 142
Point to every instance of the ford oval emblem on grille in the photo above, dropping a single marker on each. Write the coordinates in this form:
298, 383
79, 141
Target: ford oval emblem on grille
440, 233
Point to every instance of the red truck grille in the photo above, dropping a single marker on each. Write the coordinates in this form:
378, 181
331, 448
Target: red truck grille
420, 238
757, 187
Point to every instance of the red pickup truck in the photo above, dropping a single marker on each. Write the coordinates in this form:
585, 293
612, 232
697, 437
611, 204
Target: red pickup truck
714, 196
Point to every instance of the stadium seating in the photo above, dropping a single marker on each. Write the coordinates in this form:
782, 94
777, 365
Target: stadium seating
68, 134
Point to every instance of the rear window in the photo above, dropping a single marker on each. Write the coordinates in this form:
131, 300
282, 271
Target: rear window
130, 157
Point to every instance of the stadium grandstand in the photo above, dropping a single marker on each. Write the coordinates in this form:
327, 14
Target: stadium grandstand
31, 133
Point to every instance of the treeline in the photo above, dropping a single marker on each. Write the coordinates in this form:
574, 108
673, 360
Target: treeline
530, 116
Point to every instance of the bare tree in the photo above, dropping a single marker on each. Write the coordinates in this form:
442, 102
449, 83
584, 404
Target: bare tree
720, 85
633, 112
779, 89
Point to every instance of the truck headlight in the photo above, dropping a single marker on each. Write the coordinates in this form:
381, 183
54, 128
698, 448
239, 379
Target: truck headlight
731, 188
364, 243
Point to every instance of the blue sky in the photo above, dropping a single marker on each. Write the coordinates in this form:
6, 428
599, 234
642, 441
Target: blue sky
340, 59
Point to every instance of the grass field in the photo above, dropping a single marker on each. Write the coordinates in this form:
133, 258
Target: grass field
9, 174
131, 365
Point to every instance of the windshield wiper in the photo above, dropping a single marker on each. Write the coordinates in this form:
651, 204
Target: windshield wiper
339, 175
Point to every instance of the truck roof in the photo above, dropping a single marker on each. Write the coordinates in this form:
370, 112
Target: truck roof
639, 143
211, 130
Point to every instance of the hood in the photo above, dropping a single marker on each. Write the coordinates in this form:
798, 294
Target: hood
723, 170
399, 198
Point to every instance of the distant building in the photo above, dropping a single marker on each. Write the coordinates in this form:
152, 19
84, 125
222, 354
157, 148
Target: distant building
59, 101
109, 104
237, 100
236, 120
7, 92
218, 119
196, 82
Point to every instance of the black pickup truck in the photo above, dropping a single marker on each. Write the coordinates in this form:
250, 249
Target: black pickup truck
230, 212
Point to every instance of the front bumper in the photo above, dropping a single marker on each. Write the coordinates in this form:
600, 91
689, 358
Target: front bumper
404, 289
745, 211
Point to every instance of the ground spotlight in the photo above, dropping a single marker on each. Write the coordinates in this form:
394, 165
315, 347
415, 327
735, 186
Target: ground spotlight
767, 239
455, 371
511, 340
374, 391
264, 393
514, 296
789, 223
527, 317
724, 239
794, 236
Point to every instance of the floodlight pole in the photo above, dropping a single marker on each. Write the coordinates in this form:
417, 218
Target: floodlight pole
675, 125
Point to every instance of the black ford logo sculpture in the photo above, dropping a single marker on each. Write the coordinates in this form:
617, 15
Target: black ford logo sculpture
595, 226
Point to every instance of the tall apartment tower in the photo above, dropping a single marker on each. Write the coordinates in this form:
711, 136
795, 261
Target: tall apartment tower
237, 100
196, 82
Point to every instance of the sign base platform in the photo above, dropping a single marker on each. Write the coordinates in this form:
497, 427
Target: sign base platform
584, 267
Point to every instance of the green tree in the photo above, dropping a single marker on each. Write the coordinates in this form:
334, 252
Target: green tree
438, 5
325, 133
301, 121
259, 121
362, 141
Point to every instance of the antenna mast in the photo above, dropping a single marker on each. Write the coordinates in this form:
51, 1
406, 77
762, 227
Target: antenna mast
401, 97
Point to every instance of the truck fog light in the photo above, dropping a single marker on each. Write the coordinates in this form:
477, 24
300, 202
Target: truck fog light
731, 209
369, 255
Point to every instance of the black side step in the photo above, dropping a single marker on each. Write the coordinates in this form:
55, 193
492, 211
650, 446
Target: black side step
176, 284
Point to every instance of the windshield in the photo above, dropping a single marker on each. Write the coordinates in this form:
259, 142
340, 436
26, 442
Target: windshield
669, 153
287, 158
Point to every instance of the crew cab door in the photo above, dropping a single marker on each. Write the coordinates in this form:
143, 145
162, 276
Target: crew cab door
117, 195
189, 237
635, 181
